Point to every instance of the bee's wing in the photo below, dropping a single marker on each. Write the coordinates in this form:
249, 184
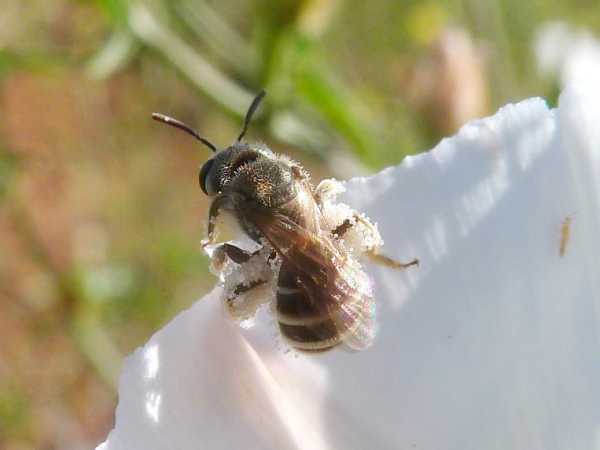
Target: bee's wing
358, 309
338, 280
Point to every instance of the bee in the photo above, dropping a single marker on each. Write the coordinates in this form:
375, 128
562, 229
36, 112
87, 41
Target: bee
308, 245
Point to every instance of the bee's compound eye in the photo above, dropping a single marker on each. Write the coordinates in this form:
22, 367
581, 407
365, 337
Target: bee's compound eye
203, 176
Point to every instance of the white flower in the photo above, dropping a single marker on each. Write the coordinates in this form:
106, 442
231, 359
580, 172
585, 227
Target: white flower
571, 54
491, 343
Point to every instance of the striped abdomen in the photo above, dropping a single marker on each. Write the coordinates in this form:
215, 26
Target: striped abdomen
313, 318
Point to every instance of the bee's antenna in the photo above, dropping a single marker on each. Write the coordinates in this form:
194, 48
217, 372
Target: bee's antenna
251, 112
182, 126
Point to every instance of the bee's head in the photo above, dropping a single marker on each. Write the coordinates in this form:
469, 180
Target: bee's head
218, 170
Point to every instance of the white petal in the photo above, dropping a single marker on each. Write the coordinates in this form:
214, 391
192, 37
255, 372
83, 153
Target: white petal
492, 343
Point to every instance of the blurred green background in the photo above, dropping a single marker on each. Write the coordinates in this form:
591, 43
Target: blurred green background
100, 210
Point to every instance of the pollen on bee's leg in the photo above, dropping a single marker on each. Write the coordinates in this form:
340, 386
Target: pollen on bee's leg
243, 301
217, 260
327, 190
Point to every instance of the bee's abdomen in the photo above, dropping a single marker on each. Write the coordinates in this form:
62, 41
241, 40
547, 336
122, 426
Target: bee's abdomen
303, 320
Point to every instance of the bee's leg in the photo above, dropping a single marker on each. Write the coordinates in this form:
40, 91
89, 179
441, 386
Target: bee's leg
244, 299
372, 252
243, 288
222, 252
383, 260
343, 228
238, 255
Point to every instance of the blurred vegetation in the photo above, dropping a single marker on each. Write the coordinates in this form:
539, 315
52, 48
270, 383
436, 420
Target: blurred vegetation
100, 212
